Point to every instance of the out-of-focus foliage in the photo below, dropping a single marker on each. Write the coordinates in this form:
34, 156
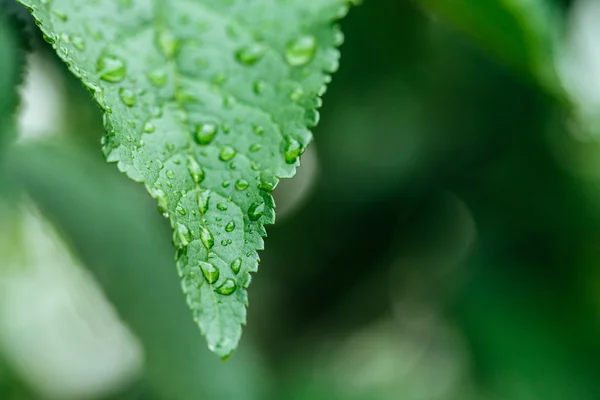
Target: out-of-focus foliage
450, 230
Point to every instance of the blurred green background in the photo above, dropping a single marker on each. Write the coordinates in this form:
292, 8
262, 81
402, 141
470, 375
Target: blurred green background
440, 242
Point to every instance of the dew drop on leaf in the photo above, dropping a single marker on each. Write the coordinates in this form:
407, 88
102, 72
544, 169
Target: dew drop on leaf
183, 236
222, 207
203, 199
210, 272
196, 172
256, 211
236, 265
158, 78
205, 133
167, 43
149, 127
111, 68
241, 184
170, 174
292, 151
230, 226
227, 287
251, 54
301, 50
255, 147
227, 153
127, 97
206, 238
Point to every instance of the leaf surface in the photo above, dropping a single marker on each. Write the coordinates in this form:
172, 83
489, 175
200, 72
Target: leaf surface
208, 103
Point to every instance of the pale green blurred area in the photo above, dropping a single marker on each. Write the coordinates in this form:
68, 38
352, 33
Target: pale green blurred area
440, 242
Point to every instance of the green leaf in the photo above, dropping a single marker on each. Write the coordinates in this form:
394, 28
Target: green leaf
12, 66
206, 102
522, 33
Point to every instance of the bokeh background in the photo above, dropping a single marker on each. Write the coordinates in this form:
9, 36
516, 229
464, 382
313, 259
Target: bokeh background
440, 242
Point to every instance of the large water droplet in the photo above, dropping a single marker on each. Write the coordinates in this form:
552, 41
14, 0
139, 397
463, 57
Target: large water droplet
111, 68
127, 96
250, 55
230, 226
205, 133
227, 287
292, 151
196, 172
207, 238
227, 153
157, 78
210, 272
301, 50
236, 265
256, 211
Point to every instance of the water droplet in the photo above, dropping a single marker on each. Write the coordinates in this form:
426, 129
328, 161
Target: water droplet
227, 287
127, 96
160, 164
219, 79
222, 206
225, 184
207, 238
111, 68
301, 50
61, 15
259, 130
268, 183
148, 127
161, 198
183, 236
167, 43
296, 94
205, 133
224, 243
250, 55
236, 265
210, 272
292, 151
78, 43
180, 210
227, 153
255, 147
230, 226
158, 78
196, 172
241, 184
170, 174
259, 87
256, 211
203, 199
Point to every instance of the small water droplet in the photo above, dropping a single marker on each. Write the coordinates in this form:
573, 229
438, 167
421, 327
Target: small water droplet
259, 130
256, 211
148, 127
196, 172
61, 15
127, 97
210, 272
259, 87
251, 54
111, 68
225, 184
207, 238
227, 153
222, 206
170, 174
219, 79
301, 50
296, 94
230, 226
183, 236
205, 133
241, 184
203, 199
180, 210
227, 287
292, 151
167, 43
157, 78
255, 147
236, 265
161, 198
268, 183
78, 43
